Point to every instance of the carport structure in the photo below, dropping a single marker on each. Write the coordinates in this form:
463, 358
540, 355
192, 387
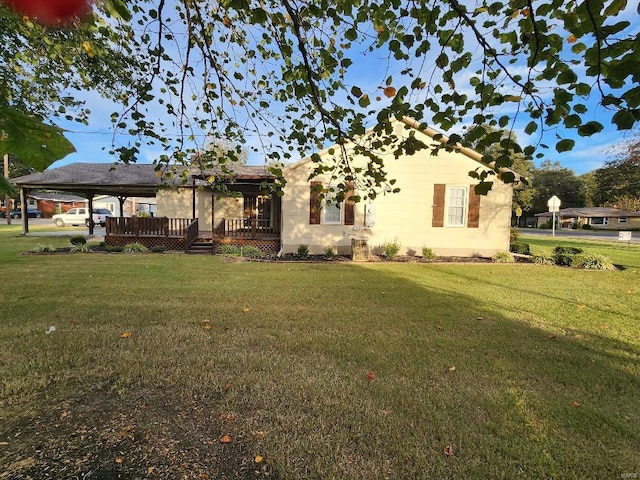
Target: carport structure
91, 179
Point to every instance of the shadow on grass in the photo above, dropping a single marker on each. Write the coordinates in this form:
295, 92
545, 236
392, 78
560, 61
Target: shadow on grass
328, 371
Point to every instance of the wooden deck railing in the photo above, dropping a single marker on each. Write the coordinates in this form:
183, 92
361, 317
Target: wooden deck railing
148, 226
246, 228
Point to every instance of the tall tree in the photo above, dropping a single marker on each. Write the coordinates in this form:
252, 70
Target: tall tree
550, 179
286, 71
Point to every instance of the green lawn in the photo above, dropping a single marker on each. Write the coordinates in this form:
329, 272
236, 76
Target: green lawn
328, 370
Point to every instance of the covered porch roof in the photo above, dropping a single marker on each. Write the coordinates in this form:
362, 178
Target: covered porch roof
132, 180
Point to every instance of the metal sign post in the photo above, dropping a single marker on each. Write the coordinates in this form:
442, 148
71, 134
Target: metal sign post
554, 206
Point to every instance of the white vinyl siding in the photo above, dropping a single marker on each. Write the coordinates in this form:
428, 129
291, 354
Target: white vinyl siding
456, 207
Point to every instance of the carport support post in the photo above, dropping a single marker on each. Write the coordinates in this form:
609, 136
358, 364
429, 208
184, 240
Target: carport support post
91, 225
7, 198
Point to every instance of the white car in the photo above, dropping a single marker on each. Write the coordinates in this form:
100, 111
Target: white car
80, 216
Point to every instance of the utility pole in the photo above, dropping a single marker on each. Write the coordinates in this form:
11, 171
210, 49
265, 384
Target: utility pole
7, 198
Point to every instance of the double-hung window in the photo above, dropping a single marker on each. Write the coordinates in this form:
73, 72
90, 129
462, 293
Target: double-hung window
456, 206
331, 210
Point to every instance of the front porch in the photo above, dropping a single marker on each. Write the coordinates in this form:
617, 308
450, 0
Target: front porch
184, 233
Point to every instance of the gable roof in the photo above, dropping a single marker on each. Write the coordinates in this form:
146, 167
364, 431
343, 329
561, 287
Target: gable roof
56, 197
434, 135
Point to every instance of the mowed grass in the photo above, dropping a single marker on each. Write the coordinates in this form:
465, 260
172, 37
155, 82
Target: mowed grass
342, 370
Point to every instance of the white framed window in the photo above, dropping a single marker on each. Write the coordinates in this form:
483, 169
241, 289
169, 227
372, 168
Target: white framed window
331, 210
599, 221
456, 206
622, 220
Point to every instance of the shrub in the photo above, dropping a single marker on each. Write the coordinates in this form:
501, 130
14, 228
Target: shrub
251, 252
303, 250
565, 255
593, 261
78, 240
503, 257
520, 247
586, 226
391, 250
547, 224
158, 248
80, 248
544, 258
561, 249
233, 250
135, 248
514, 234
427, 254
114, 248
329, 252
101, 244
43, 248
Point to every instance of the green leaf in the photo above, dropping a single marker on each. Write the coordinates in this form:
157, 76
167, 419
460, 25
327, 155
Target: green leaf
118, 9
624, 120
565, 145
5, 187
32, 141
589, 129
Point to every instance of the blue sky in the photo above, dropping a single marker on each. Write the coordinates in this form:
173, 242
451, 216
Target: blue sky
94, 141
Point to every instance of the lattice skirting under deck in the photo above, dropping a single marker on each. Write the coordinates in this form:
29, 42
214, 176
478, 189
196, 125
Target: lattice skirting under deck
266, 245
169, 243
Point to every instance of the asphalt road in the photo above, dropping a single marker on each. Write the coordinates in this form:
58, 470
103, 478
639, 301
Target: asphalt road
584, 234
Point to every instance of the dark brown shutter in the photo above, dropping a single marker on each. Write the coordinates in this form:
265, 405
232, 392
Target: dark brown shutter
438, 205
314, 204
349, 205
473, 219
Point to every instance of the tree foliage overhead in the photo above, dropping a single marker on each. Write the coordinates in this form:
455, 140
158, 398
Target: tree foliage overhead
286, 77
618, 181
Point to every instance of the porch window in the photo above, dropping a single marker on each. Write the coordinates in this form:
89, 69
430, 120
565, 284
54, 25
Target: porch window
599, 221
456, 206
622, 220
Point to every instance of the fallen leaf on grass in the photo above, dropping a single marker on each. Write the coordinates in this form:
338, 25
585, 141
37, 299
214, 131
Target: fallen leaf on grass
258, 458
384, 413
150, 470
207, 326
65, 414
227, 417
225, 439
125, 335
245, 310
227, 386
452, 368
259, 435
552, 336
448, 450
371, 375
119, 460
575, 404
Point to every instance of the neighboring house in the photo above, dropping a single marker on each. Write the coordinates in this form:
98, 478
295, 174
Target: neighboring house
604, 218
435, 208
130, 206
51, 203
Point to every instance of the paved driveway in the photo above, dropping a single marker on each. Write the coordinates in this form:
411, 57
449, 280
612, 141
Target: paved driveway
54, 231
